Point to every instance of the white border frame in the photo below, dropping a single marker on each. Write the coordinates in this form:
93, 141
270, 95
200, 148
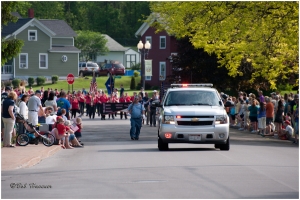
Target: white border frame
160, 71
22, 54
162, 37
150, 41
40, 54
30, 31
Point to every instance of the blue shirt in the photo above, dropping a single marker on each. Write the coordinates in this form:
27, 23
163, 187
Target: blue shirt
63, 103
6, 103
253, 111
137, 110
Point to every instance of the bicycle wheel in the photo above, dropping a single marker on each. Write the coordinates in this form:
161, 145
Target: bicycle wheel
23, 139
49, 140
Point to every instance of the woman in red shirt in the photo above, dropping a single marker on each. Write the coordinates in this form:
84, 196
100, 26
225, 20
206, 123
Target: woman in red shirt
123, 100
75, 106
80, 98
87, 101
103, 99
99, 94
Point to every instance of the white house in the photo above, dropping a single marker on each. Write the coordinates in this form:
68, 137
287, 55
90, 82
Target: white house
116, 51
132, 57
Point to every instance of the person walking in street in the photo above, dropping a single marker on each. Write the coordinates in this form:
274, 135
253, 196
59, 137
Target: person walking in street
63, 103
34, 106
137, 112
8, 117
152, 110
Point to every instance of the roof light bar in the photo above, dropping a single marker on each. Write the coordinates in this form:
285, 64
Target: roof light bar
192, 85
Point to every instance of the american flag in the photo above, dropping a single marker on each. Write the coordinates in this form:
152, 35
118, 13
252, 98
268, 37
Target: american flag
93, 87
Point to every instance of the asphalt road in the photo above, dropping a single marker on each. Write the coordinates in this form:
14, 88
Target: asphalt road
113, 166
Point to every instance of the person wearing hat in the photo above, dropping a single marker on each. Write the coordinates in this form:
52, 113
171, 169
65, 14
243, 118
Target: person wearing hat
34, 106
137, 112
288, 130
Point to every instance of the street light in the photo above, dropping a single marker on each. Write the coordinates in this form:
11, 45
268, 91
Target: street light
144, 51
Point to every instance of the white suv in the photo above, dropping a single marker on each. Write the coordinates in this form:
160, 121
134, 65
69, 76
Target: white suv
192, 113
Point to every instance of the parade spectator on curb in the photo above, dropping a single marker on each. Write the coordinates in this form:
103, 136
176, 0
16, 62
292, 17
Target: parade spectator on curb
241, 116
61, 134
261, 115
292, 105
269, 115
44, 97
287, 132
279, 117
296, 119
137, 112
4, 95
72, 139
34, 106
23, 106
63, 103
261, 96
50, 102
253, 115
8, 117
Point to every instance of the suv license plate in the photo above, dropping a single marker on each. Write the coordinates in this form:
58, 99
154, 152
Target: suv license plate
194, 137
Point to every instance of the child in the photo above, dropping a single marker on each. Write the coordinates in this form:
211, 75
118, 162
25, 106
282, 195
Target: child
63, 114
60, 133
78, 132
72, 138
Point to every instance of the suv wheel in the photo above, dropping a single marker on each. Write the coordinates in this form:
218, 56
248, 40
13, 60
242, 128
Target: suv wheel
225, 147
162, 146
217, 146
81, 74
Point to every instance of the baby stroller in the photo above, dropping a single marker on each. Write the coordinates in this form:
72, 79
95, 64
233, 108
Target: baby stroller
31, 135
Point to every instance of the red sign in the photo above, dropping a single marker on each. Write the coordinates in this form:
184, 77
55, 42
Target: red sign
70, 78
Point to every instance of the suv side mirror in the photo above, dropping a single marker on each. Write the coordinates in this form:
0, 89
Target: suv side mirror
156, 103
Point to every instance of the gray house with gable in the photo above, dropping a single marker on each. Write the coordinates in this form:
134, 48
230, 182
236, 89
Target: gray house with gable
48, 49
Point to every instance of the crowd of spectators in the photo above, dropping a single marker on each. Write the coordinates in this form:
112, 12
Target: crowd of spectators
274, 115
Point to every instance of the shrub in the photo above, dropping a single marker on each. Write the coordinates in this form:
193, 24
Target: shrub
54, 79
16, 83
136, 67
136, 73
40, 80
138, 87
30, 81
132, 83
155, 88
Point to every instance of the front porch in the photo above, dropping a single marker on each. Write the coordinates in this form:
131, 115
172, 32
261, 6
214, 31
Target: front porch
7, 72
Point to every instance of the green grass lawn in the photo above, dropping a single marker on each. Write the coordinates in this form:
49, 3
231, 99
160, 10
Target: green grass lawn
80, 83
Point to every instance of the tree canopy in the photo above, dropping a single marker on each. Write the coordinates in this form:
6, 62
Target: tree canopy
10, 47
262, 34
91, 44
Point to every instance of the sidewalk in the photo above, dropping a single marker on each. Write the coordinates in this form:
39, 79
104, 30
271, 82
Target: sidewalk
22, 157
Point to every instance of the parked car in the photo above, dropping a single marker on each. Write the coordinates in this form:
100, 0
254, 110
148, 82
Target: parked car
86, 68
112, 68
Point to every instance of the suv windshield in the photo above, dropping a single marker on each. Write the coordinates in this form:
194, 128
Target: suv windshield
192, 98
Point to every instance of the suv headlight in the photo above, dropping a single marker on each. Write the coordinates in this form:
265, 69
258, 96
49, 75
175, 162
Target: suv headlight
221, 119
169, 119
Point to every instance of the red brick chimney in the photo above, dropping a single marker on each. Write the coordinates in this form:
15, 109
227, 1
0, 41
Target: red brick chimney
30, 13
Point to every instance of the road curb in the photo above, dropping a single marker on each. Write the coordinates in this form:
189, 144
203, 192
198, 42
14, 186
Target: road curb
35, 160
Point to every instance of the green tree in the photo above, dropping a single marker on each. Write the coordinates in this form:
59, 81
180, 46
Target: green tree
265, 34
91, 44
9, 47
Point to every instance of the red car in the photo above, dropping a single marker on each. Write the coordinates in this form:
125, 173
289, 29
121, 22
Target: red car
113, 68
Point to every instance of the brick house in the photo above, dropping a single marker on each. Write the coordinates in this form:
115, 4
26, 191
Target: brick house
162, 47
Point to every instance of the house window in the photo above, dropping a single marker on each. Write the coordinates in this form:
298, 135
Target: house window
23, 61
148, 78
43, 61
130, 60
32, 35
149, 38
162, 42
162, 71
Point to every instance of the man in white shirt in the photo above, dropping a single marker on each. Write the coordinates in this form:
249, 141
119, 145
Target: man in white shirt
34, 105
288, 131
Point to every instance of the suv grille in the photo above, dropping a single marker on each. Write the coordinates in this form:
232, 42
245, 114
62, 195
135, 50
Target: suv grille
198, 123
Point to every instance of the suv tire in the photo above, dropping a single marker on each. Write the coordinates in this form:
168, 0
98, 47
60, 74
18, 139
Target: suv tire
217, 146
225, 147
162, 146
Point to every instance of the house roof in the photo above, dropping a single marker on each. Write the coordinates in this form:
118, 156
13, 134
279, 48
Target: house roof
60, 27
112, 45
16, 14
13, 27
70, 49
